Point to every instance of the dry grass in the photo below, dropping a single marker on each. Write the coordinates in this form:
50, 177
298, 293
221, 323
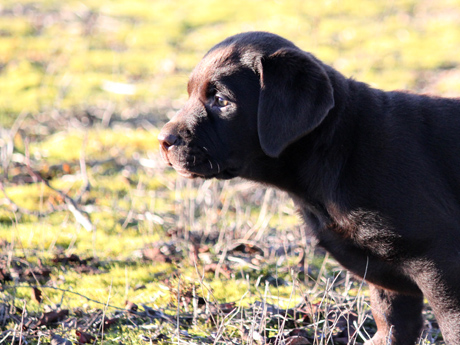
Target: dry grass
89, 216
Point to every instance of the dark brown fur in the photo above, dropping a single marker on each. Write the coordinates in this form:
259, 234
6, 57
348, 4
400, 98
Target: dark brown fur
376, 174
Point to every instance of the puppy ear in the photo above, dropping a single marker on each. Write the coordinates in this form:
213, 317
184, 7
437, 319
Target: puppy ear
296, 95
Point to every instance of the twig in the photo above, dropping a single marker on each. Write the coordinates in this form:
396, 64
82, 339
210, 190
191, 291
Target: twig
22, 323
80, 216
178, 311
63, 290
84, 173
103, 313
22, 210
161, 315
16, 208
10, 145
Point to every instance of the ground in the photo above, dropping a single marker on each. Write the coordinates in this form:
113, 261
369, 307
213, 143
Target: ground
100, 241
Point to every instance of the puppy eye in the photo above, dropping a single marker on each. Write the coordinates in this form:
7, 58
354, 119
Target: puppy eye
221, 102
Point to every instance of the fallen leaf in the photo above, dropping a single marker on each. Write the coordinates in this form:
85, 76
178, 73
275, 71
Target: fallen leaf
73, 258
139, 287
155, 254
109, 322
299, 332
38, 272
51, 317
296, 340
131, 307
37, 295
247, 248
84, 338
5, 276
160, 337
66, 168
225, 308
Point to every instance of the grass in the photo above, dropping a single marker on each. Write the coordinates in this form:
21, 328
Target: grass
135, 58
84, 87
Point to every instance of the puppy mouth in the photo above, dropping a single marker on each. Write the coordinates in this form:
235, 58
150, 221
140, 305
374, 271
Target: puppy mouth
201, 172
187, 167
185, 173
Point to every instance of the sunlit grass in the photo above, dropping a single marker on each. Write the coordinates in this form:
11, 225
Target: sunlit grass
153, 46
89, 78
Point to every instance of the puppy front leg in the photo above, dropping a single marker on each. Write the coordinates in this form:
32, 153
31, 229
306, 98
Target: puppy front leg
398, 317
440, 283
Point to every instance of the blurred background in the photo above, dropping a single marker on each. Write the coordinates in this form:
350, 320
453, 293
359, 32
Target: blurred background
90, 216
131, 58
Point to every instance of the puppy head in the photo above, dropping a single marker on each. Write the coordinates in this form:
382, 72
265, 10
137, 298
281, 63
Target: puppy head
252, 95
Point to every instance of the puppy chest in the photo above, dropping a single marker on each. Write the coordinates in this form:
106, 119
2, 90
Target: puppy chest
368, 231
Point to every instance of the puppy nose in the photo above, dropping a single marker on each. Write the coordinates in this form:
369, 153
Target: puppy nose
167, 139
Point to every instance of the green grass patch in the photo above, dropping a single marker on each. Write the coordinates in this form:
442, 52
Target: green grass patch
91, 81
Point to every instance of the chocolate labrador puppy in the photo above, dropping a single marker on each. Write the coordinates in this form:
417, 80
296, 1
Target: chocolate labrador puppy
375, 174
